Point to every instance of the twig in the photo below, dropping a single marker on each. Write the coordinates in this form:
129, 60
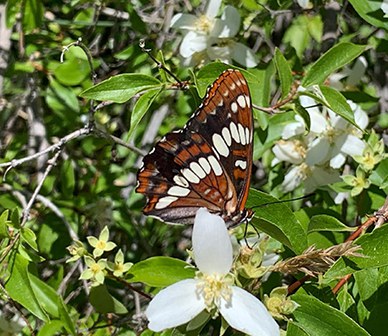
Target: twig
117, 140
128, 285
273, 109
51, 163
182, 85
59, 144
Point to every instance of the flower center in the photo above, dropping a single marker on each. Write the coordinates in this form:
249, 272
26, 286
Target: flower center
300, 148
330, 134
95, 268
101, 245
203, 24
213, 288
304, 171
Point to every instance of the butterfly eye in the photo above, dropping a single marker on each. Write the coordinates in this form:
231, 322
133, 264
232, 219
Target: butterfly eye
207, 163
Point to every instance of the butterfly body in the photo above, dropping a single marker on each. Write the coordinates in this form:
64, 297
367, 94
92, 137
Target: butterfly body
208, 163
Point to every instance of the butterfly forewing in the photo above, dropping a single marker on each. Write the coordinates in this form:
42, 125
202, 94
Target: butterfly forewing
208, 162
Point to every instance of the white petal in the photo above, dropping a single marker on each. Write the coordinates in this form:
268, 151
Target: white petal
212, 8
229, 24
318, 152
192, 43
212, 246
219, 53
305, 4
293, 128
292, 179
248, 314
360, 116
357, 71
352, 145
244, 55
337, 161
318, 121
320, 177
287, 151
175, 305
184, 21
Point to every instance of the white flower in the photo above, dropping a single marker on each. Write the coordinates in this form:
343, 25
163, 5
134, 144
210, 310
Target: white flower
352, 75
384, 8
336, 138
209, 38
305, 4
212, 288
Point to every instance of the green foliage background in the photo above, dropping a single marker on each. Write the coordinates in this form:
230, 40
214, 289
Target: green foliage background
90, 184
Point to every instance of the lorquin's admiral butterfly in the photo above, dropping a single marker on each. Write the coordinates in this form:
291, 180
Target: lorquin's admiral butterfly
208, 163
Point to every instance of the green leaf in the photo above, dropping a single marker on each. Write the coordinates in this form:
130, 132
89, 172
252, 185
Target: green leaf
105, 303
32, 14
284, 72
332, 99
141, 107
4, 222
15, 218
327, 223
64, 315
73, 71
294, 330
67, 179
334, 59
303, 113
371, 12
374, 250
29, 237
121, 88
207, 75
319, 319
54, 327
62, 99
52, 303
20, 289
160, 271
277, 220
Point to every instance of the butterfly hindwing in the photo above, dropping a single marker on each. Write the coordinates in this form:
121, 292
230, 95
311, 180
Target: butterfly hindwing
208, 162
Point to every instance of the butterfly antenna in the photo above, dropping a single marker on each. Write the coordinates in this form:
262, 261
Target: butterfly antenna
181, 84
283, 201
246, 232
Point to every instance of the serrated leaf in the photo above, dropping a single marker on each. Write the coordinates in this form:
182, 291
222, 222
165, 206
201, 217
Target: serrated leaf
334, 59
327, 223
141, 107
319, 319
121, 88
105, 303
160, 271
284, 72
374, 247
19, 288
277, 220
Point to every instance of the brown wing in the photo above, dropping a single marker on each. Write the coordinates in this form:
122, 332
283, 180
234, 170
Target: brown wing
208, 162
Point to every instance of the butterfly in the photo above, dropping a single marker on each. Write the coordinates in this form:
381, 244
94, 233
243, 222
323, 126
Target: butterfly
207, 163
